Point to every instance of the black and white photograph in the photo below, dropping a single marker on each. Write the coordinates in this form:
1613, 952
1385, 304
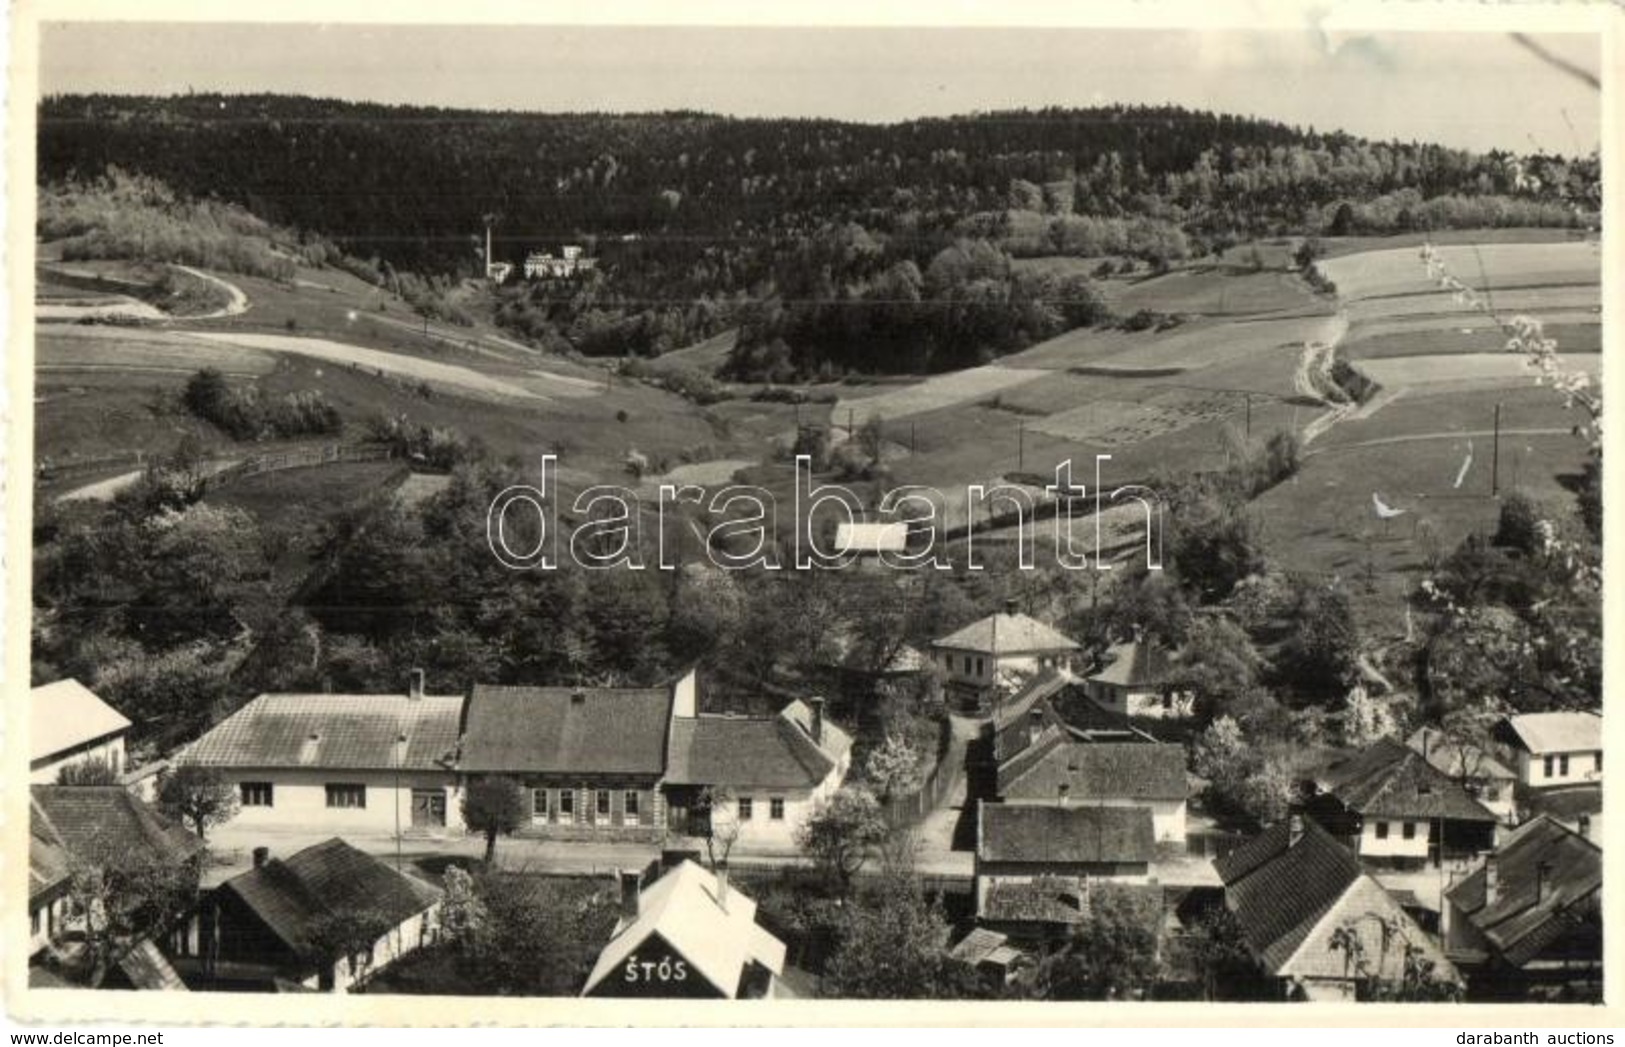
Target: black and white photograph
991, 513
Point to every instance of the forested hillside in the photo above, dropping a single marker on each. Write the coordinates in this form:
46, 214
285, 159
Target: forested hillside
692, 215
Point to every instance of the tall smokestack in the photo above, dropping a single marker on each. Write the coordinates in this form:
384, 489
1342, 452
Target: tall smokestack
414, 685
817, 728
629, 896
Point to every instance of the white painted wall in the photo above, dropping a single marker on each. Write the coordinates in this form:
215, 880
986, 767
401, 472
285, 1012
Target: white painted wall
299, 800
1582, 769
110, 751
408, 936
763, 832
1131, 702
1395, 846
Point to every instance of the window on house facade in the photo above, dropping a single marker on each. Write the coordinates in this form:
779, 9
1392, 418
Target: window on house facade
567, 803
256, 794
1409, 831
34, 920
978, 667
1551, 766
747, 808
631, 802
1598, 761
1167, 700
1492, 793
346, 795
1563, 766
775, 808
538, 804
601, 803
1382, 830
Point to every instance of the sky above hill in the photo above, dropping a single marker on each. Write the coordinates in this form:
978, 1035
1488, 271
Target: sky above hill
1476, 91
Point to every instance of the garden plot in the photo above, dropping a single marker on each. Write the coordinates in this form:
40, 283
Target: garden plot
1442, 307
452, 376
975, 384
1473, 337
1111, 423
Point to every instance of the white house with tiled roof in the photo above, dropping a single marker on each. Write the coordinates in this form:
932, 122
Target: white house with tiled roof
69, 725
992, 652
342, 763
1556, 749
1137, 680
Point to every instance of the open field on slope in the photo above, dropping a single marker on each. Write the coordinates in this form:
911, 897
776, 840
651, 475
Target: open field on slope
1216, 290
1464, 370
1399, 271
702, 357
934, 393
86, 348
1321, 522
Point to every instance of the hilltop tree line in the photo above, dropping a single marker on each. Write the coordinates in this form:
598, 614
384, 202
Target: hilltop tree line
694, 215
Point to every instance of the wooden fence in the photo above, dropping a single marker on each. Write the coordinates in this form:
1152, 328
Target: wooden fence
904, 811
299, 458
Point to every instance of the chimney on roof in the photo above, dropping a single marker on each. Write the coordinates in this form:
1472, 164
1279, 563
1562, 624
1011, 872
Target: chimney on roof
261, 856
629, 895
1492, 881
1583, 825
1427, 742
578, 696
721, 873
1010, 605
414, 684
817, 728
1035, 725
1294, 829
1543, 881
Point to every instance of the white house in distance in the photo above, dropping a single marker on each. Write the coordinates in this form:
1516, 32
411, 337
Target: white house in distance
768, 773
1556, 749
990, 651
68, 725
346, 763
543, 263
691, 934
1135, 681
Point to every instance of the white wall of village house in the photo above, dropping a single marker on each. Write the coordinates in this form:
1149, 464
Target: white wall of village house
762, 831
46, 922
1582, 767
1139, 703
110, 751
299, 800
409, 935
1167, 816
545, 798
1395, 845
979, 669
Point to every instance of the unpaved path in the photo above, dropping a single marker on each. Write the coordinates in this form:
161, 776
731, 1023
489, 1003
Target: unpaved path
236, 307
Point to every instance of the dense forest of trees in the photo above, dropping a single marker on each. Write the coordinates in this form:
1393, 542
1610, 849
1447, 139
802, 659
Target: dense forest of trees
843, 230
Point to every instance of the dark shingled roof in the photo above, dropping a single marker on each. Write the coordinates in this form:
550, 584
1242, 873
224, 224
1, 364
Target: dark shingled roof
1099, 771
292, 896
1051, 833
1048, 899
773, 752
1278, 893
1389, 780
1517, 924
598, 730
1137, 663
352, 732
96, 821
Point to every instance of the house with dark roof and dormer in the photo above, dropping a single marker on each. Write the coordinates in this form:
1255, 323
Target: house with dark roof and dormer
1393, 807
1137, 775
1528, 919
1301, 900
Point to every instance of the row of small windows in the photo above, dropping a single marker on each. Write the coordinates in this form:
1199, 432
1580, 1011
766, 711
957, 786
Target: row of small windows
607, 805
341, 795
1558, 766
746, 806
1406, 830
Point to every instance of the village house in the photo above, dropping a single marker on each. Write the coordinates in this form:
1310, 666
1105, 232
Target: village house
591, 759
1557, 749
378, 764
1394, 808
87, 831
1035, 864
1292, 888
690, 934
1528, 920
1137, 680
1132, 775
1486, 779
996, 654
326, 918
763, 776
571, 261
68, 726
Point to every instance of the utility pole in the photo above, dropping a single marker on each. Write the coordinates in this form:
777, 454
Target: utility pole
1495, 455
